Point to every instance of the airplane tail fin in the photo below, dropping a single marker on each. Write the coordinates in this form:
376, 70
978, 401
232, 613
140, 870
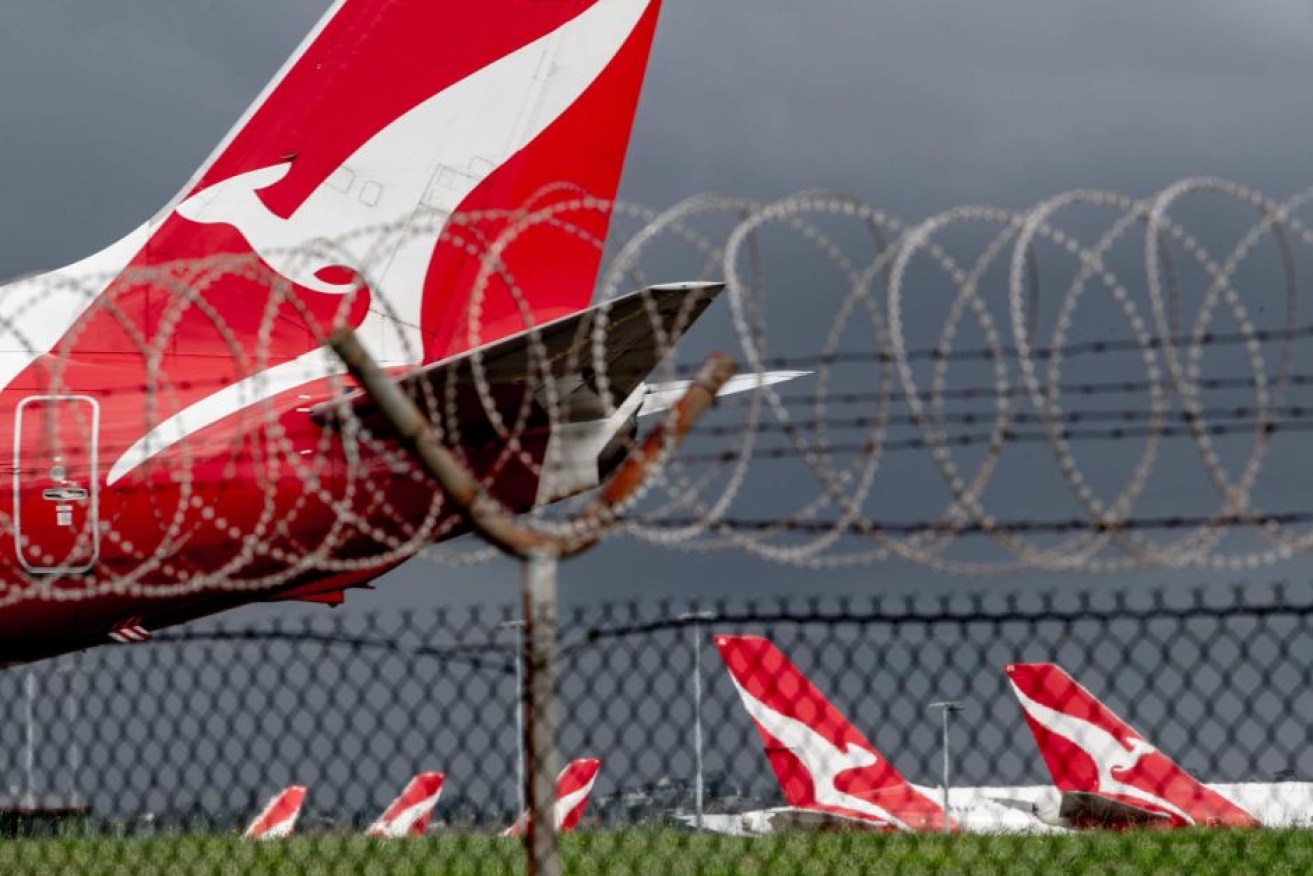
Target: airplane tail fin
573, 786
572, 789
436, 174
1090, 751
821, 761
409, 814
398, 143
278, 817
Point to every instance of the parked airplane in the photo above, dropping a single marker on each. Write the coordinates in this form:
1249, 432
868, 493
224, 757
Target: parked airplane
409, 814
830, 774
1107, 774
573, 786
178, 446
278, 818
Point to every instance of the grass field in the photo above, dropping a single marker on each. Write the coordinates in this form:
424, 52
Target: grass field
660, 851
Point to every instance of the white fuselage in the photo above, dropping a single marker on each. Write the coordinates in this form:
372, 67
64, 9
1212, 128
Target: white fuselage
980, 810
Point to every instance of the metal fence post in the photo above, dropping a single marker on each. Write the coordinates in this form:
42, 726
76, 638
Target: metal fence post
540, 552
541, 709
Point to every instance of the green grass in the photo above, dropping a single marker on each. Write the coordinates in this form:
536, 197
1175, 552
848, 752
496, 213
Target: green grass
664, 851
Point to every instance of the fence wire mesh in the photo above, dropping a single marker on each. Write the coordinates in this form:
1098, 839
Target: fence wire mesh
177, 454
154, 757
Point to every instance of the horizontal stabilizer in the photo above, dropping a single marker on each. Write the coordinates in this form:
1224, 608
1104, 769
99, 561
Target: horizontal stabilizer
551, 373
329, 591
663, 396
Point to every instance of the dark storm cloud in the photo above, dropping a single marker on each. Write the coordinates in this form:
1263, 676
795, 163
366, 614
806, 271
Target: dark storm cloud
108, 107
931, 104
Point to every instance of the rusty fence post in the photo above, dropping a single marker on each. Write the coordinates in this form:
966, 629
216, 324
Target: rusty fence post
541, 709
538, 552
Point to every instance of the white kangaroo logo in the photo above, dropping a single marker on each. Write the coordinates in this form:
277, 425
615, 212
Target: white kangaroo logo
363, 217
571, 801
1107, 751
823, 760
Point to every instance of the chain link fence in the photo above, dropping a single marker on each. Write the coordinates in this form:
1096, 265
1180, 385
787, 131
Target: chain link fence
155, 756
1098, 382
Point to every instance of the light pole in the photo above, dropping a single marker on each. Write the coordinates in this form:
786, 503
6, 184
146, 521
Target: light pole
29, 753
30, 796
696, 618
947, 707
518, 627
72, 710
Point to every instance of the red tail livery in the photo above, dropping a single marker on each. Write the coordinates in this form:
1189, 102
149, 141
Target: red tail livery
170, 407
1108, 774
409, 814
823, 764
573, 786
278, 818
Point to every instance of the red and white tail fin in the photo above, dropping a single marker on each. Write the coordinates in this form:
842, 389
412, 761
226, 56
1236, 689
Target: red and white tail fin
573, 786
409, 814
572, 789
821, 761
366, 185
278, 817
398, 114
1091, 751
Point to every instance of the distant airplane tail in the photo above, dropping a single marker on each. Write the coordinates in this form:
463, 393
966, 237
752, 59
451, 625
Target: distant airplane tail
822, 762
572, 789
278, 818
573, 786
409, 814
1108, 773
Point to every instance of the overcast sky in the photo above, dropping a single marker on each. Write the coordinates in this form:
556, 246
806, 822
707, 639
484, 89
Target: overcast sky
107, 107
